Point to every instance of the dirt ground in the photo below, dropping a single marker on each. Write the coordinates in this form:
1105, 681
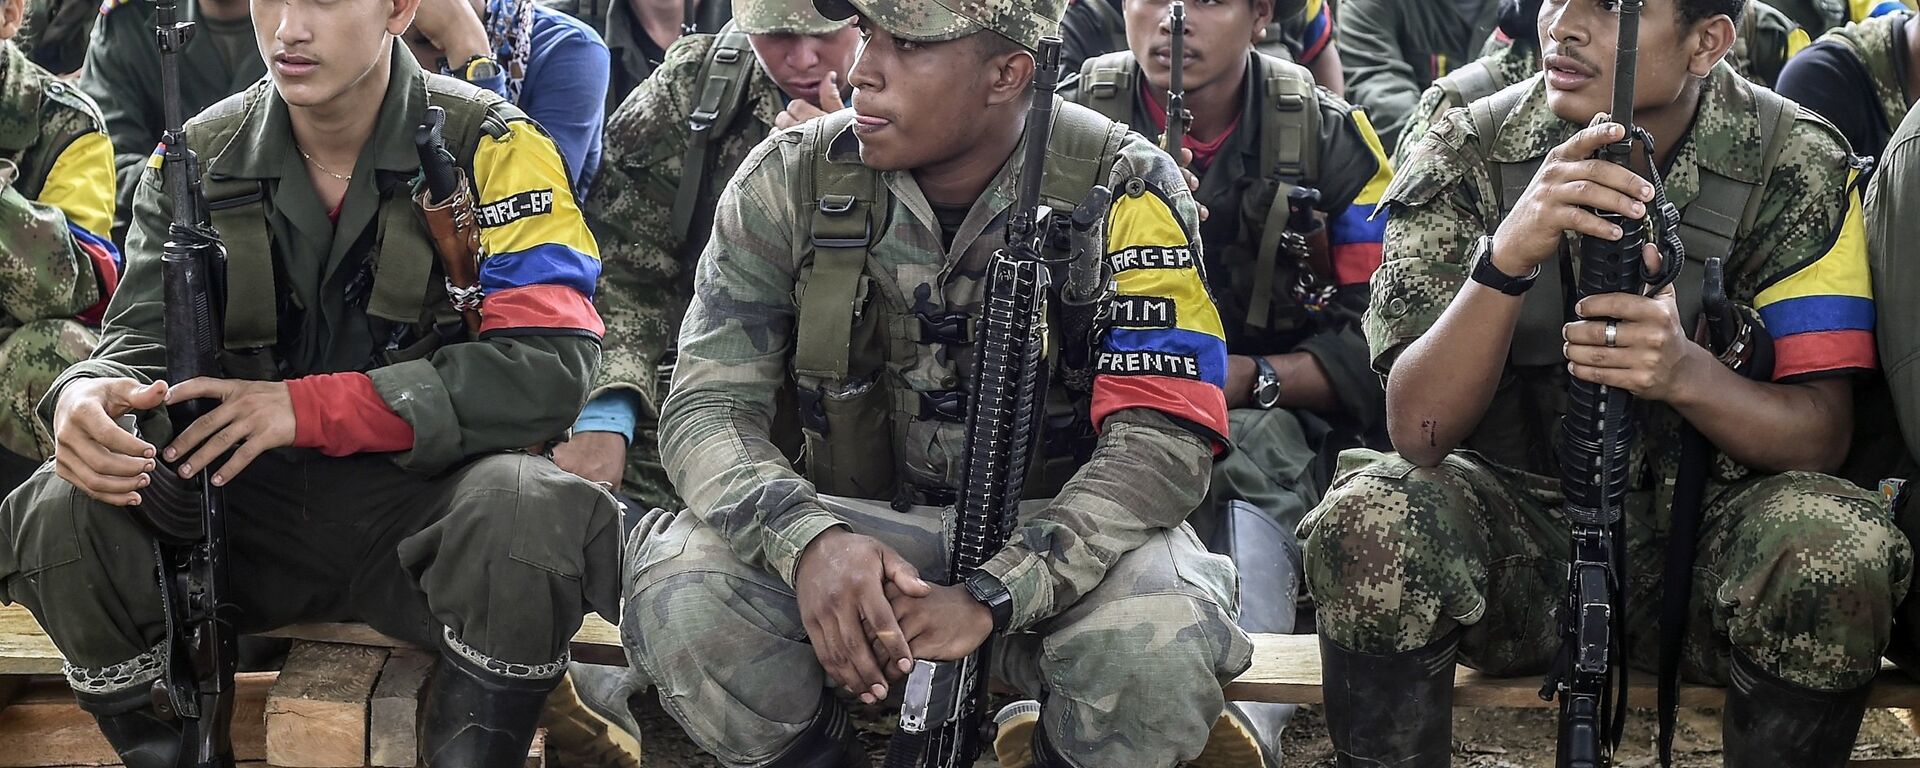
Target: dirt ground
1483, 738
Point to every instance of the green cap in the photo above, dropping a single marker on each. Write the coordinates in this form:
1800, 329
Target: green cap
933, 21
782, 17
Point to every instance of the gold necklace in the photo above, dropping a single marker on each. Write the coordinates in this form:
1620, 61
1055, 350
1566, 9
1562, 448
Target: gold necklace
323, 169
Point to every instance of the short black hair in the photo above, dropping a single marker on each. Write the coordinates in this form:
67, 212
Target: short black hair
1694, 10
992, 44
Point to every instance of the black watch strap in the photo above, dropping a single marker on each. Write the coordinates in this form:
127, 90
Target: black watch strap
988, 589
1486, 273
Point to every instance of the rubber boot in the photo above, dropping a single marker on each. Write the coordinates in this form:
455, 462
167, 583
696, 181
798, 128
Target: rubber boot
137, 732
1390, 710
828, 742
477, 718
1771, 722
1267, 556
1044, 755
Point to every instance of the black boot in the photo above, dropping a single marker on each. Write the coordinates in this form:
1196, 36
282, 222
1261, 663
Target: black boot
1770, 722
1390, 710
828, 742
1044, 754
128, 720
479, 718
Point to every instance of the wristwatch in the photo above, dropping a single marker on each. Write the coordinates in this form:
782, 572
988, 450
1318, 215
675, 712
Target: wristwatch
480, 67
1266, 384
994, 595
1487, 274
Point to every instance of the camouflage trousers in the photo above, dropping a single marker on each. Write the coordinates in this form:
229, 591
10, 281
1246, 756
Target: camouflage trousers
1271, 467
31, 357
1129, 676
1798, 571
506, 553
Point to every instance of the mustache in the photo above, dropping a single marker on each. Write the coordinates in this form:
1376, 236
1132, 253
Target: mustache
1576, 58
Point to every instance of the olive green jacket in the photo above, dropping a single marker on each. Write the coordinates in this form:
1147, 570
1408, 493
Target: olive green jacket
1393, 49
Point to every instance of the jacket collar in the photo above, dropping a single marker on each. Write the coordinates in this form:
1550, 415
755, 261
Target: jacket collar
257, 147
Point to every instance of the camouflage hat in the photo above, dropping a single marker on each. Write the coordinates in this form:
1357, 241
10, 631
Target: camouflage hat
781, 17
932, 21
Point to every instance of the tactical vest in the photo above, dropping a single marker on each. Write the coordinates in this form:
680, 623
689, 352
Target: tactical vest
720, 95
1724, 208
1289, 148
855, 335
408, 287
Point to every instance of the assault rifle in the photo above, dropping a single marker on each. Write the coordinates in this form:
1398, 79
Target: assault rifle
942, 712
1177, 115
189, 517
1595, 464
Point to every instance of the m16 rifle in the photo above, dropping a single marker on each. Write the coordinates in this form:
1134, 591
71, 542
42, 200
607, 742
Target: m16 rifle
189, 517
942, 714
1596, 450
1177, 115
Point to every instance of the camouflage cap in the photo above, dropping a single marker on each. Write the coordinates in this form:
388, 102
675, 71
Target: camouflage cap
932, 21
782, 17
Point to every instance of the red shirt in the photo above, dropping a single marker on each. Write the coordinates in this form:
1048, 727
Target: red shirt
1203, 151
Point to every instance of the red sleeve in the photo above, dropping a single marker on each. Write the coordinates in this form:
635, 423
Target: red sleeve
341, 414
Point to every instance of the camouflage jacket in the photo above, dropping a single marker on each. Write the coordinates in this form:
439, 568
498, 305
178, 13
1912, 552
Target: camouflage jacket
1393, 49
1818, 16
1148, 467
57, 206
522, 381
646, 275
1801, 264
1879, 43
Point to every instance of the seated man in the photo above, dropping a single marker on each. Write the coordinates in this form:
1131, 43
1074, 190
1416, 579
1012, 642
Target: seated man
1298, 385
1300, 31
1457, 548
56, 199
1821, 16
376, 473
1394, 49
749, 608
1863, 77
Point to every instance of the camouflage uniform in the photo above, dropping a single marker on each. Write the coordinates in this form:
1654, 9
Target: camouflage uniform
1800, 572
55, 210
1766, 39
1114, 602
646, 276
1878, 43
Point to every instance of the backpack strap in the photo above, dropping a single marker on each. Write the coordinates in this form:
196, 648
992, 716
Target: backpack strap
237, 210
1107, 83
1468, 84
1081, 152
1290, 153
848, 205
1536, 338
722, 91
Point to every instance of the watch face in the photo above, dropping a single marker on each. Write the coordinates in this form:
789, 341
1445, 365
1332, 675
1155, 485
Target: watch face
1268, 395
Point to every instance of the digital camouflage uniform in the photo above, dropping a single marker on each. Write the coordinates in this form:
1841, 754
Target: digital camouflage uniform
1799, 572
1818, 16
646, 276
122, 74
56, 207
1274, 464
1877, 43
459, 541
1765, 39
1122, 624
1394, 49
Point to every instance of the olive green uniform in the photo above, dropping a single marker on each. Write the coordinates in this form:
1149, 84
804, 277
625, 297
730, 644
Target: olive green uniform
122, 74
1799, 572
1893, 221
1392, 50
460, 540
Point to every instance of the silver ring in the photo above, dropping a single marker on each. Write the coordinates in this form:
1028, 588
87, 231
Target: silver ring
1613, 333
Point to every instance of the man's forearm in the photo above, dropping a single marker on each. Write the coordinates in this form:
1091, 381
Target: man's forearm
1444, 381
1769, 427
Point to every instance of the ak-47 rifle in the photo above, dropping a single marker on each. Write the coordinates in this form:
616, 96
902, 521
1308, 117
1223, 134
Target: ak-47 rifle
189, 517
942, 714
446, 203
1177, 115
1595, 464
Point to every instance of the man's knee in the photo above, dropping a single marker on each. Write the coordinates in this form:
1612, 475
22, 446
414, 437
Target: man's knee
1389, 559
1813, 576
84, 568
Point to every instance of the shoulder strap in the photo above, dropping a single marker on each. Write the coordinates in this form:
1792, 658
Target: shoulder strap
847, 205
722, 90
1472, 82
1509, 179
1777, 115
1080, 153
1107, 82
1290, 125
237, 210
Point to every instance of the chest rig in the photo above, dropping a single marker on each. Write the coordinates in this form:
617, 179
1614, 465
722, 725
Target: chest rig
876, 391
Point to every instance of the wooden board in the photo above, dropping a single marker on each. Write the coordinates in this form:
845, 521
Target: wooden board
44, 727
24, 649
392, 741
1286, 669
317, 714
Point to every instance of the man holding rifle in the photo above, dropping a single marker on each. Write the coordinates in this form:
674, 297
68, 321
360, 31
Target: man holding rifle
845, 275
371, 447
1456, 548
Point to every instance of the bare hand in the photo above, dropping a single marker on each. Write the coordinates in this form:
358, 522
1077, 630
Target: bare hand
1652, 357
91, 450
800, 110
943, 625
453, 28
253, 417
1193, 182
841, 585
597, 456
1569, 186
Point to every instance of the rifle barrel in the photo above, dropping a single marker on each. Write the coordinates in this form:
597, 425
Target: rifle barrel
1626, 63
1176, 133
1046, 80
